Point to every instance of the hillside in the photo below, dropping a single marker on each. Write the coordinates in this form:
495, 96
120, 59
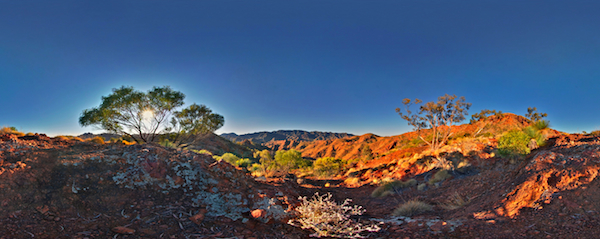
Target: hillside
292, 135
373, 146
61, 188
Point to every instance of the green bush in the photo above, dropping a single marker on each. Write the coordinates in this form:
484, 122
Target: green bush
541, 124
514, 143
439, 176
328, 166
243, 163
286, 160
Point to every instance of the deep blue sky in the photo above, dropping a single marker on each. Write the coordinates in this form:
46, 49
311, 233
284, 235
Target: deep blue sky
341, 66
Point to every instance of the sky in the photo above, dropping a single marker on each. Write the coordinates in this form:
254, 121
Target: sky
315, 65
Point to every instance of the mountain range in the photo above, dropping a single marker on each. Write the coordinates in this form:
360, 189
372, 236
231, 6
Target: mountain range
291, 135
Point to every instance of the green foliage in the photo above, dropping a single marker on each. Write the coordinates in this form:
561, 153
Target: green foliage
202, 151
533, 115
328, 166
411, 208
534, 133
243, 163
514, 143
366, 153
389, 187
439, 176
167, 143
484, 114
437, 116
192, 121
234, 160
541, 124
290, 159
143, 116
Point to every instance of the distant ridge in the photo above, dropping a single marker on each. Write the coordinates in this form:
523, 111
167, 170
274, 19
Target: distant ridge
292, 135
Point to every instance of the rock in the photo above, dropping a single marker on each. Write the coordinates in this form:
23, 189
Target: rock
123, 230
199, 217
259, 213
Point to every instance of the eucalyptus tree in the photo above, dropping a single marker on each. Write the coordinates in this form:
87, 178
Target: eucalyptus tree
436, 116
144, 116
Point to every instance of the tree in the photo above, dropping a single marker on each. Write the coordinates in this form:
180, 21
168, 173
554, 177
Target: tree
533, 115
143, 116
479, 118
193, 121
437, 116
484, 114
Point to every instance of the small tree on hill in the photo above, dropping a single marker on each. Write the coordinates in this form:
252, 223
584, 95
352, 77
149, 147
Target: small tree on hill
436, 116
143, 116
479, 118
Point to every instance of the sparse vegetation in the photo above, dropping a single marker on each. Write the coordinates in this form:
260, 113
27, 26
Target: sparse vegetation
412, 208
329, 219
97, 140
11, 130
389, 188
533, 115
439, 176
328, 166
436, 116
484, 114
455, 201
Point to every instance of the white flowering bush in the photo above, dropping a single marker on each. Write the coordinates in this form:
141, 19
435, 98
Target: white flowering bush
327, 218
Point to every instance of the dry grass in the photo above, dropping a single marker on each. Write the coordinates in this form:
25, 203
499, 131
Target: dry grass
439, 176
11, 130
455, 201
411, 208
389, 187
97, 140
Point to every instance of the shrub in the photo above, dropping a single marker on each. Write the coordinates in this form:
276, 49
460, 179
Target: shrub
389, 187
202, 151
439, 176
228, 157
11, 130
534, 133
455, 201
97, 140
290, 159
328, 166
514, 143
243, 163
166, 143
541, 124
411, 208
327, 218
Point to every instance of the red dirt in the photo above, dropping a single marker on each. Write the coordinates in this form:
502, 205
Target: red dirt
51, 188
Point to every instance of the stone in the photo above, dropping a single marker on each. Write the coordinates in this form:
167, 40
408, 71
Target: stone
259, 213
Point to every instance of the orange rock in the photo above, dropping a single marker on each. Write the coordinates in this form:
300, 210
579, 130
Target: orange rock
123, 230
198, 218
258, 213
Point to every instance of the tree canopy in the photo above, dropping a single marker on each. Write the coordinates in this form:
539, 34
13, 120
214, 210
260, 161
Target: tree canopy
145, 115
437, 116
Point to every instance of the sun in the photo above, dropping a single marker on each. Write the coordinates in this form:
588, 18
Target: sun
147, 114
